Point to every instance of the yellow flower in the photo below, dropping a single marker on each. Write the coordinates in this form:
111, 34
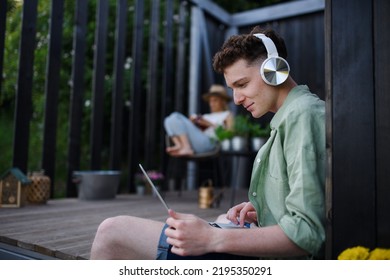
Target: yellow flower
380, 254
355, 253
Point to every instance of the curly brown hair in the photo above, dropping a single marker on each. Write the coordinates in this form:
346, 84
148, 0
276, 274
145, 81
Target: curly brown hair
247, 47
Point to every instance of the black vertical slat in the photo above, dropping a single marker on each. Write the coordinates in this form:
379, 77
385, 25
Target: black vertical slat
3, 17
151, 104
180, 91
136, 110
117, 95
329, 129
208, 72
51, 90
382, 105
167, 78
23, 108
77, 94
353, 110
98, 84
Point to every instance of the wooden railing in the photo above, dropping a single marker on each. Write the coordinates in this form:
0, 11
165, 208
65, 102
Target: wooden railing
177, 63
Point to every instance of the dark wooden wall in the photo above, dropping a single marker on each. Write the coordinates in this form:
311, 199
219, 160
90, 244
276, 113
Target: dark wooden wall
381, 10
357, 95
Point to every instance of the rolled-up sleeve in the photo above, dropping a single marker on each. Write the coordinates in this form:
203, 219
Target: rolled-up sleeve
288, 176
304, 153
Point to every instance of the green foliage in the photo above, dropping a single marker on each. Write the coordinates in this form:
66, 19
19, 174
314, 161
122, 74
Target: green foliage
223, 133
11, 4
241, 125
6, 132
257, 130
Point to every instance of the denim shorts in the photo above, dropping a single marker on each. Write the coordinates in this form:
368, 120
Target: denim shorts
164, 252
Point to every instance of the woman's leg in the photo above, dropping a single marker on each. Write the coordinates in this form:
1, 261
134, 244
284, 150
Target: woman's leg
190, 139
126, 237
182, 146
177, 145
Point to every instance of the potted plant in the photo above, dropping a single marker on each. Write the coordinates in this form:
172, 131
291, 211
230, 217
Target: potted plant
241, 129
259, 135
140, 183
157, 178
224, 136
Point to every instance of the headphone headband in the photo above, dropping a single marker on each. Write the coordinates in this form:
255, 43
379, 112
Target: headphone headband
274, 70
269, 45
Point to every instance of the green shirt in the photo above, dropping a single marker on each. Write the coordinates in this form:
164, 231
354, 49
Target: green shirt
288, 177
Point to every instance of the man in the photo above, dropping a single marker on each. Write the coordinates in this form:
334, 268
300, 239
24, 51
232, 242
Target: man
286, 196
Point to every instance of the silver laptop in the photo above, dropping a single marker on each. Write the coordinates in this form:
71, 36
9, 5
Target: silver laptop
154, 187
218, 225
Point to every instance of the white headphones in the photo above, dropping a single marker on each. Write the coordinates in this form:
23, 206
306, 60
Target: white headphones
275, 69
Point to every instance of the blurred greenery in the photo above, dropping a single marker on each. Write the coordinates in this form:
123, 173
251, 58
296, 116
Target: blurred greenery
223, 133
259, 130
10, 73
241, 125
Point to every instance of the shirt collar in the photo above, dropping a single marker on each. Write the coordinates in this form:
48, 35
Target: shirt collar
294, 93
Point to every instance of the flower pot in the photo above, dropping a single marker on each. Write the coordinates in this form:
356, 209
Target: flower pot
96, 185
239, 143
140, 190
225, 145
257, 143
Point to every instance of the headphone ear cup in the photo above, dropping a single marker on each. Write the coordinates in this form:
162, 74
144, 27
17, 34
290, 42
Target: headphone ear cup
274, 70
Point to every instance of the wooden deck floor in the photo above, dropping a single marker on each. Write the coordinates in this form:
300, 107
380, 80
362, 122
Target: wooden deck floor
65, 228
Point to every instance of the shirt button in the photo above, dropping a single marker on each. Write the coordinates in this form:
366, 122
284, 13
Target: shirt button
258, 160
254, 193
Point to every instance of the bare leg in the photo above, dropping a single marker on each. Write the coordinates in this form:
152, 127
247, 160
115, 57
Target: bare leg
184, 146
176, 145
126, 237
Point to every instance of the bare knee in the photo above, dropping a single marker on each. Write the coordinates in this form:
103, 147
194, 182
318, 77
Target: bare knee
107, 239
123, 237
107, 226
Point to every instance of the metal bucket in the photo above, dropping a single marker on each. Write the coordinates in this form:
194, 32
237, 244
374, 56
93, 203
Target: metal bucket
94, 185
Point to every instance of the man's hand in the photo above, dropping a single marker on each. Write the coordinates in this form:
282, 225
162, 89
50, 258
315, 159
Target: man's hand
241, 213
188, 234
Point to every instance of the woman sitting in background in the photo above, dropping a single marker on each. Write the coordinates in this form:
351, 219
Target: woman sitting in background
196, 134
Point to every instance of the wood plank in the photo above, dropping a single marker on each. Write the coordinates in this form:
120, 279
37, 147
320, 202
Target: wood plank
24, 86
152, 90
3, 23
65, 228
350, 83
382, 116
117, 88
52, 86
77, 94
214, 10
136, 91
277, 12
98, 89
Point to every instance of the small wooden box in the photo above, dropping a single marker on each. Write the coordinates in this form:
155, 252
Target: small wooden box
13, 188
